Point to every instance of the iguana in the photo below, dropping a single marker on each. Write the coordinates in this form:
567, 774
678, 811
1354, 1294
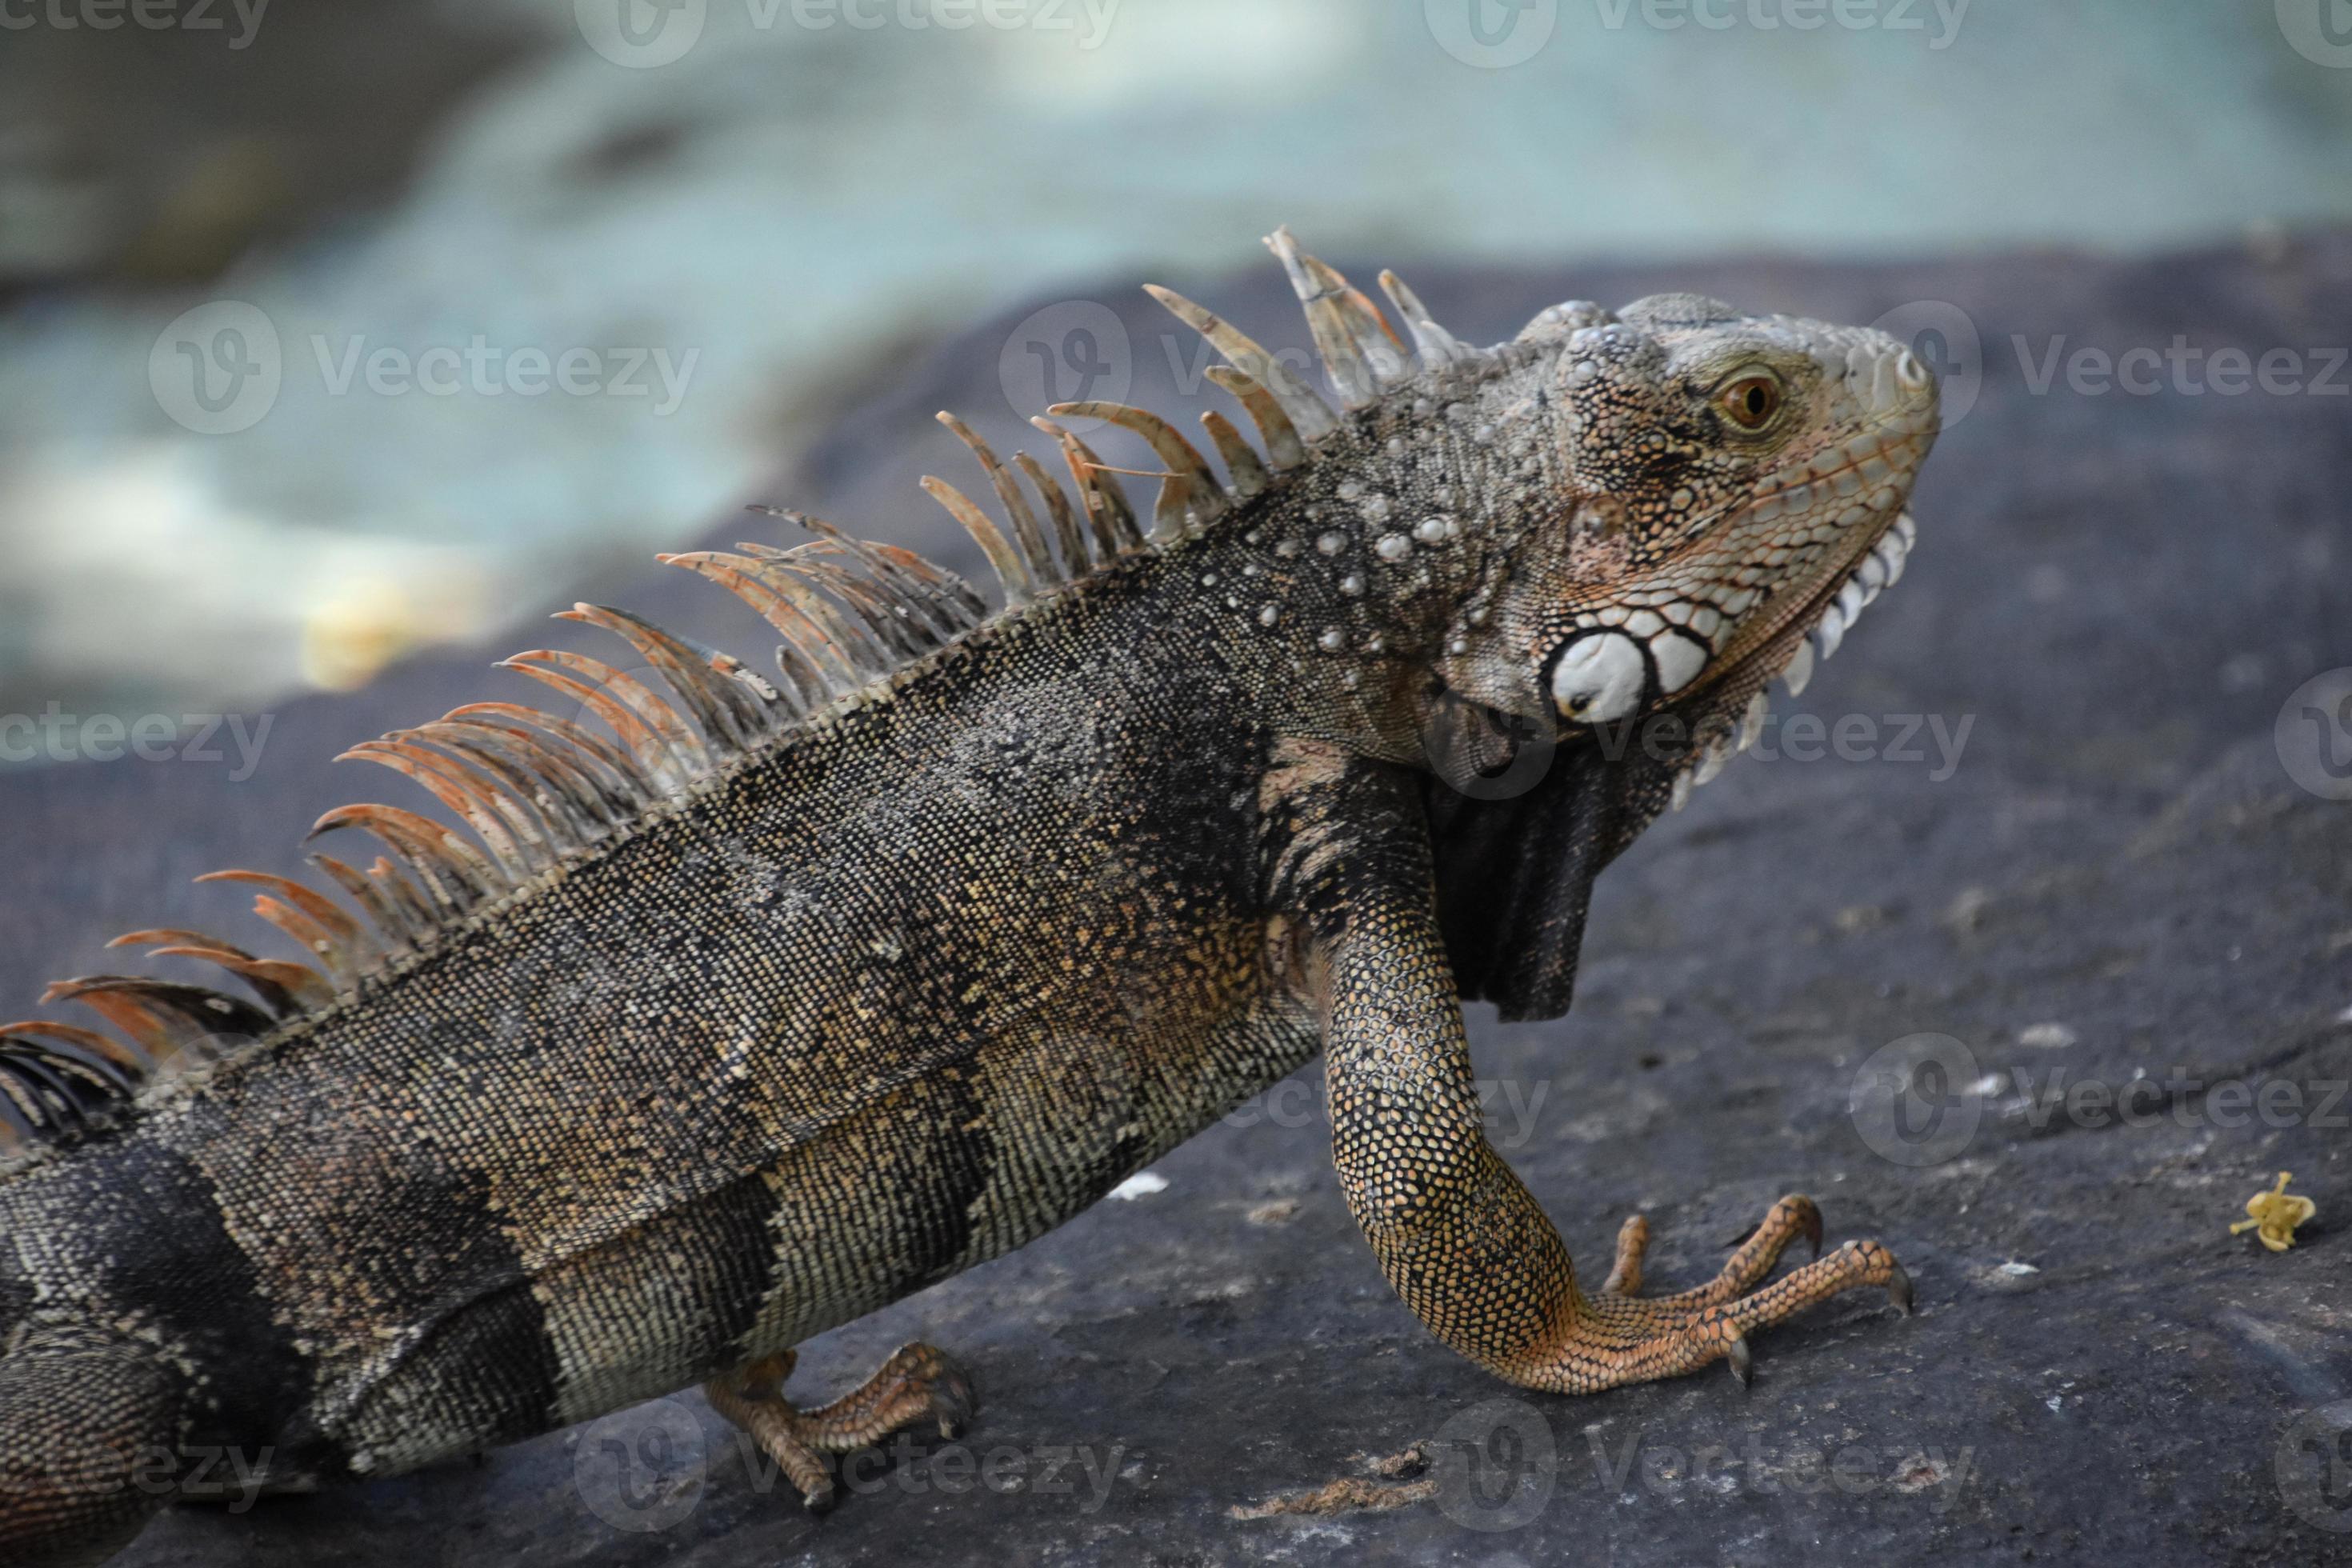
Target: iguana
744, 1006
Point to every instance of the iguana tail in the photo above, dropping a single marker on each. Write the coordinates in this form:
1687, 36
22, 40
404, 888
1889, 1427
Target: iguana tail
88, 1440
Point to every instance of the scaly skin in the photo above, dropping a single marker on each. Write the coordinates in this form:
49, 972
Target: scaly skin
898, 987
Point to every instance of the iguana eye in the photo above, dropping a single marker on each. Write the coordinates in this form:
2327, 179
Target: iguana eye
1750, 402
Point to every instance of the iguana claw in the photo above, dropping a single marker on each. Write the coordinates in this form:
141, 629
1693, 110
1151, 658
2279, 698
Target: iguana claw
1806, 1216
1898, 1290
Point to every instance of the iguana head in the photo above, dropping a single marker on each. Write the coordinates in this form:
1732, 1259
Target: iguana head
1644, 514
1729, 495
1687, 503
1557, 573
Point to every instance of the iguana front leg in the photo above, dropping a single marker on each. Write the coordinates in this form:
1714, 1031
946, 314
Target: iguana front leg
1460, 1238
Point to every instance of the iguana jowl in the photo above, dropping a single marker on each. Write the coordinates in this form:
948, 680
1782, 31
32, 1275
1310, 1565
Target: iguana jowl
747, 1008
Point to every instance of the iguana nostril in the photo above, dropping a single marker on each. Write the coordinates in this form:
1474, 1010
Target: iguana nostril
1914, 375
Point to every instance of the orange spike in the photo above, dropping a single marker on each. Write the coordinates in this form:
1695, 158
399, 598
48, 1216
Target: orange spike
164, 935
316, 905
296, 983
128, 1058
663, 736
431, 849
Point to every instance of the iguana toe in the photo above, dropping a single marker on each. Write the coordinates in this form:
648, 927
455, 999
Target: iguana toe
1617, 1337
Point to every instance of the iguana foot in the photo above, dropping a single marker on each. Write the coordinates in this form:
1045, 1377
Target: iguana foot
917, 1383
1760, 1249
1616, 1337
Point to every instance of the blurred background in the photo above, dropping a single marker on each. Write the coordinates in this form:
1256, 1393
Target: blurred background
331, 332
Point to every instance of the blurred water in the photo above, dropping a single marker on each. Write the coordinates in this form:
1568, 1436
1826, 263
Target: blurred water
726, 213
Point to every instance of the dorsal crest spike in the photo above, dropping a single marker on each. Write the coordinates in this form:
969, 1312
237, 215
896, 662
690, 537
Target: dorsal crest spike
1026, 533
452, 790
1241, 461
1012, 566
1436, 346
1358, 349
1108, 511
1284, 448
1189, 484
835, 668
1301, 404
1078, 559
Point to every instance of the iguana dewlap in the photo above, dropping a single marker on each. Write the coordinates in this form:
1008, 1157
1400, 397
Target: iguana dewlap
740, 1006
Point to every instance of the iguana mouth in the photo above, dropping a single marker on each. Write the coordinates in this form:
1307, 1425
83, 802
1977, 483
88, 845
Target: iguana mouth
1870, 543
1815, 628
1672, 640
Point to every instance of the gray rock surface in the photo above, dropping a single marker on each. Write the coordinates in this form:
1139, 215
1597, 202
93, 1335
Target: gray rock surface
2116, 881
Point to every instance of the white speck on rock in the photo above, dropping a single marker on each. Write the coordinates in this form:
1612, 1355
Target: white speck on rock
1141, 1185
2047, 1037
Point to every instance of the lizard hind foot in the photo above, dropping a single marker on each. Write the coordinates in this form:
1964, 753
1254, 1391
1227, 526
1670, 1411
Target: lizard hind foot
83, 1425
918, 1384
